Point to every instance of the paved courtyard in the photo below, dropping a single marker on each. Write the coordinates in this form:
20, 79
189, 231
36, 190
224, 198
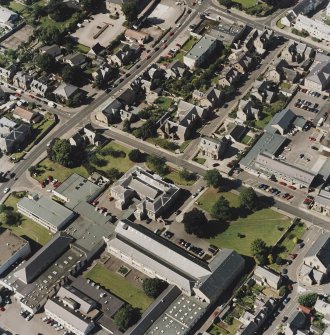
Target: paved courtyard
16, 39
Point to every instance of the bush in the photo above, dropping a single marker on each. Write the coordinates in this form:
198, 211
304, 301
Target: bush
136, 156
153, 287
308, 299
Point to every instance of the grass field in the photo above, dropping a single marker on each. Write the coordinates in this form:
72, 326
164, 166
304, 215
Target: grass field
119, 286
247, 3
246, 139
164, 102
261, 124
121, 163
47, 167
16, 7
27, 227
175, 177
262, 224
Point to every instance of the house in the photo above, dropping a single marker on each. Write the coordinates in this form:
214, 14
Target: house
26, 115
45, 211
104, 72
7, 17
280, 70
89, 135
176, 69
202, 50
316, 266
213, 147
266, 277
40, 86
75, 59
154, 195
22, 80
95, 50
281, 122
125, 55
296, 324
228, 34
188, 116
159, 258
51, 50
212, 98
247, 111
297, 52
12, 139
13, 248
264, 91
66, 91
258, 40
136, 36
322, 201
243, 63
229, 76
318, 78
7, 73
322, 307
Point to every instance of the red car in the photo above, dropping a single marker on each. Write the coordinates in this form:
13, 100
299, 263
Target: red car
282, 183
293, 256
292, 187
2, 309
171, 33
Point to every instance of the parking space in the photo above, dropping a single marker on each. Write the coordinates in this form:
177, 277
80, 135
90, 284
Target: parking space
106, 204
87, 34
309, 104
5, 164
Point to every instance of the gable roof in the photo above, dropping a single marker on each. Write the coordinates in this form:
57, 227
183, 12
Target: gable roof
66, 90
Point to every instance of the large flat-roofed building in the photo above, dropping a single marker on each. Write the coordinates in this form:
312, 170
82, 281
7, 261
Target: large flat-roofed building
227, 33
315, 28
12, 249
285, 171
45, 211
155, 195
157, 257
203, 49
76, 189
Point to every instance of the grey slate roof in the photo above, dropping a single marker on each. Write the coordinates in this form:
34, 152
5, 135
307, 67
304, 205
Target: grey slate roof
321, 249
66, 90
282, 119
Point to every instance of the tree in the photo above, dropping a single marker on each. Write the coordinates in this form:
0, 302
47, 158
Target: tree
260, 251
226, 3
10, 217
3, 207
89, 5
308, 299
113, 174
71, 74
131, 11
50, 34
31, 105
126, 317
148, 129
248, 199
158, 164
282, 291
136, 156
61, 151
195, 222
213, 178
221, 209
45, 62
187, 175
32, 169
153, 287
56, 9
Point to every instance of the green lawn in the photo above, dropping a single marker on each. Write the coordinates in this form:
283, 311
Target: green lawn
176, 179
164, 102
121, 163
47, 167
189, 44
247, 3
27, 227
246, 139
119, 286
262, 224
16, 6
82, 48
199, 160
261, 124
184, 145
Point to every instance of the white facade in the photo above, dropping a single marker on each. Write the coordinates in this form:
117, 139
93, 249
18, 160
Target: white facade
314, 28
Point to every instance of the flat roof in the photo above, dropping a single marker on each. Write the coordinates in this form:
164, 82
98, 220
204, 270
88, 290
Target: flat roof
269, 143
77, 189
46, 209
201, 47
9, 245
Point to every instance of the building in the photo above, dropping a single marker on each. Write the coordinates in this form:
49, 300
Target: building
66, 313
104, 72
318, 78
228, 34
136, 36
316, 266
7, 73
154, 195
213, 147
243, 63
265, 277
40, 86
188, 117
76, 59
66, 91
315, 28
51, 50
229, 76
322, 201
212, 98
270, 166
322, 307
297, 52
26, 115
87, 135
157, 257
46, 212
281, 122
264, 91
12, 249
125, 55
296, 324
12, 139
7, 17
203, 49
22, 80
247, 111
258, 40
176, 69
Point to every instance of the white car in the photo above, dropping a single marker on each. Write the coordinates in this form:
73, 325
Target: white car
6, 190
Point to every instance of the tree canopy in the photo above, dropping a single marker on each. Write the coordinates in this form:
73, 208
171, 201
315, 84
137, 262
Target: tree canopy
308, 299
195, 222
131, 10
221, 209
260, 251
213, 178
158, 164
153, 287
136, 156
126, 317
71, 74
61, 151
50, 34
45, 62
248, 199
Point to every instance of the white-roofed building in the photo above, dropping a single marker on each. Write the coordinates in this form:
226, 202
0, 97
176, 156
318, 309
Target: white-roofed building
315, 28
265, 277
7, 16
157, 257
